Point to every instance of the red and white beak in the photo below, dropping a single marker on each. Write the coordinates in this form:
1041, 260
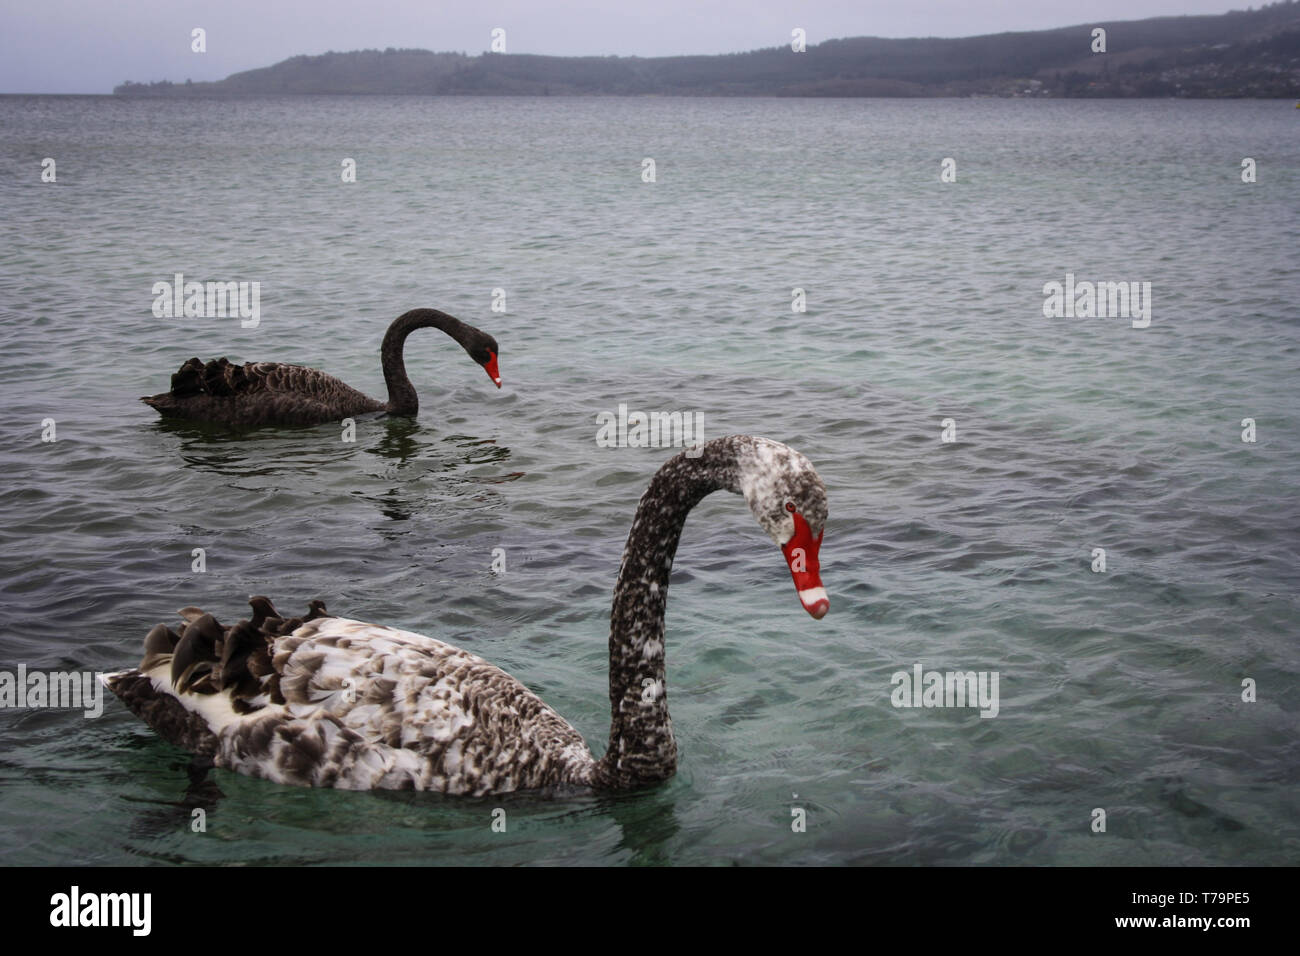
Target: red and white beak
493, 372
801, 553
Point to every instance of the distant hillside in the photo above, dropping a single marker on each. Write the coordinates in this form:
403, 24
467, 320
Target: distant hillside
1240, 54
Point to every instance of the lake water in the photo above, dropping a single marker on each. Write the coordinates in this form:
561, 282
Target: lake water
1119, 690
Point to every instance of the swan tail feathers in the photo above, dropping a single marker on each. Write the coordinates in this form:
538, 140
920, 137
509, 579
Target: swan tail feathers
153, 701
162, 403
198, 678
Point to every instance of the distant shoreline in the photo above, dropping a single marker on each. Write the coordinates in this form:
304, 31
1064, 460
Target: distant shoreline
1238, 55
589, 96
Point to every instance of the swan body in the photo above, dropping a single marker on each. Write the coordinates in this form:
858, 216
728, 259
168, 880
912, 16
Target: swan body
331, 702
273, 393
358, 706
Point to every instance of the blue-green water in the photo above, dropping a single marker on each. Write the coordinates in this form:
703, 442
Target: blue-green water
1119, 690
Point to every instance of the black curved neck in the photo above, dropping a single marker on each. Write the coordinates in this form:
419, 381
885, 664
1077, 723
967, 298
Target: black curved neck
642, 748
402, 399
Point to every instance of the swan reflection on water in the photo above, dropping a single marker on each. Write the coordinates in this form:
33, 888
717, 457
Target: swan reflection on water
415, 465
636, 827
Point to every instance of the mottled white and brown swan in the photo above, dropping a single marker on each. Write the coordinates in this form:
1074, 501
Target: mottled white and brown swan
272, 393
329, 702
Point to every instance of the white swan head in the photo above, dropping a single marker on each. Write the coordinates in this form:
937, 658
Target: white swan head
788, 498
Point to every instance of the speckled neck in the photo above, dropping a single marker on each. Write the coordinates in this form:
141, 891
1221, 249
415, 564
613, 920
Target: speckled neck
642, 748
402, 399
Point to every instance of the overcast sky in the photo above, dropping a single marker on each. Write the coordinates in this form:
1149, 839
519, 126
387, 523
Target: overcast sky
88, 46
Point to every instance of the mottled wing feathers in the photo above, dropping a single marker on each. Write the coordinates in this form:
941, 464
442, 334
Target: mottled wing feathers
335, 702
475, 728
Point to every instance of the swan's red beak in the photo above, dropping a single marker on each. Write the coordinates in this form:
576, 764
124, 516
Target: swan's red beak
493, 372
801, 553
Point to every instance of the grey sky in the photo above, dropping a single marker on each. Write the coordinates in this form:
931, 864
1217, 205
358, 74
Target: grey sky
88, 46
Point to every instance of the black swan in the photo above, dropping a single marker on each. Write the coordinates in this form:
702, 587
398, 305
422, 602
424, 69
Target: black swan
329, 702
271, 393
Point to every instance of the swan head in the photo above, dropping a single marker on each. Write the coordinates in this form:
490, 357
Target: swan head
482, 348
788, 498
